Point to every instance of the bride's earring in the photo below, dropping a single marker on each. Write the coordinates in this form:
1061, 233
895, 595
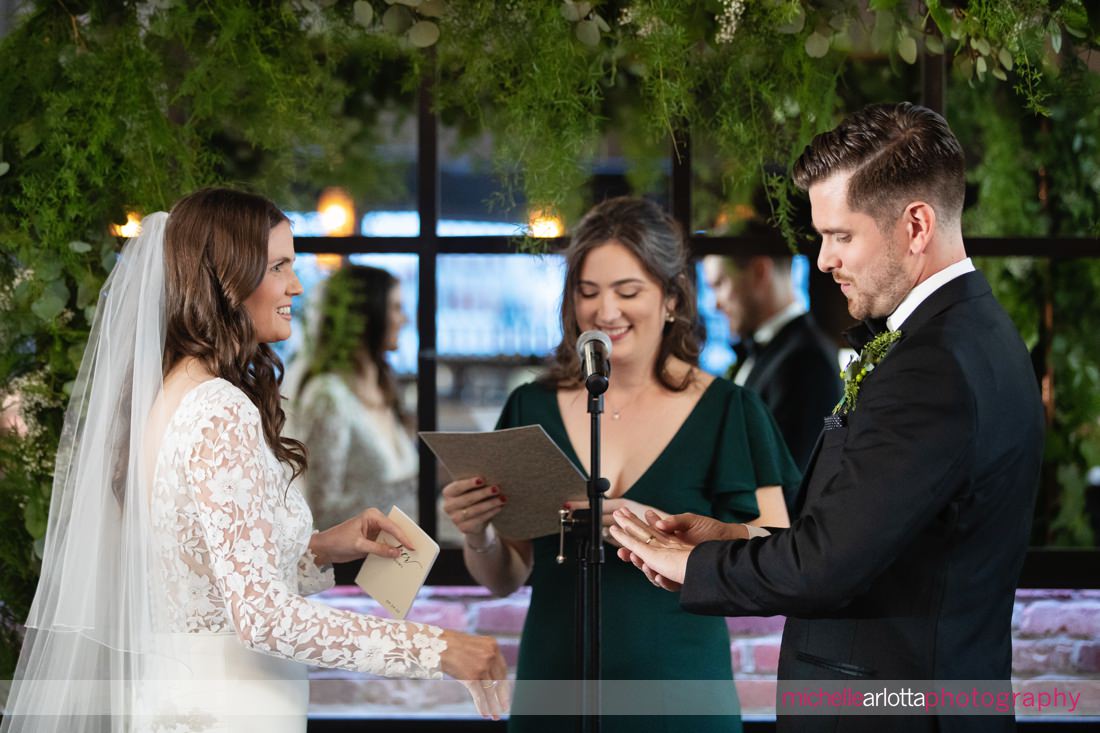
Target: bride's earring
669, 318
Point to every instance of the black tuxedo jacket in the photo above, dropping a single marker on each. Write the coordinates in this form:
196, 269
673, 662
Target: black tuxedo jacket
796, 374
914, 521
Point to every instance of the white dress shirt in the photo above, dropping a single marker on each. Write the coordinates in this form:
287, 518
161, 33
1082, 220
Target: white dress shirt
921, 292
763, 336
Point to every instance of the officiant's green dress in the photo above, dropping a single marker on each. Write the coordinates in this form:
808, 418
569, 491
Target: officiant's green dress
727, 447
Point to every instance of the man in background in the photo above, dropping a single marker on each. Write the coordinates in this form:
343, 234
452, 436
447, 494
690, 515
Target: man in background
782, 355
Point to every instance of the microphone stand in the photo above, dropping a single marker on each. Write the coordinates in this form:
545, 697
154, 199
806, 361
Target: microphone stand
590, 556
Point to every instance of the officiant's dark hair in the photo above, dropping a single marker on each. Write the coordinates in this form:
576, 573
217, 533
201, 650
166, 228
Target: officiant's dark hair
215, 256
897, 154
657, 241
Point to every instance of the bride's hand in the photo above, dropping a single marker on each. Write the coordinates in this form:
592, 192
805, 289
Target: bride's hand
476, 662
356, 538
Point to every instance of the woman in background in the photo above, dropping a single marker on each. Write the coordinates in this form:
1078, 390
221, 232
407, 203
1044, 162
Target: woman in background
347, 410
673, 437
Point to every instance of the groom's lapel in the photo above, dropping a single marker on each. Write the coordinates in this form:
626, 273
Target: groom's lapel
964, 287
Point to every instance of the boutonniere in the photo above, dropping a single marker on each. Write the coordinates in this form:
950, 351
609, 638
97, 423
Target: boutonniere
860, 366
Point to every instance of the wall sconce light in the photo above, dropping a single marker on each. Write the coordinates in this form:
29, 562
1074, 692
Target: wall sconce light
130, 229
337, 212
545, 224
329, 262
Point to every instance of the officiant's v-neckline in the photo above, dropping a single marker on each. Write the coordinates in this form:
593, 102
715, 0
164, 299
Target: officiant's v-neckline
571, 452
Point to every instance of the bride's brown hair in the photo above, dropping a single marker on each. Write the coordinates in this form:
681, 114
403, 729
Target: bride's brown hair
215, 256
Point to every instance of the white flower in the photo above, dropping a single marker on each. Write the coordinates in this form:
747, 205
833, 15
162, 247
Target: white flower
429, 658
729, 19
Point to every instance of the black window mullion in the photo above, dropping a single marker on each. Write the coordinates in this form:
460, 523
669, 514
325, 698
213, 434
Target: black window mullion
427, 413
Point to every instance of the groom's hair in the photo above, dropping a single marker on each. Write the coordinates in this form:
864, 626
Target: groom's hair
896, 154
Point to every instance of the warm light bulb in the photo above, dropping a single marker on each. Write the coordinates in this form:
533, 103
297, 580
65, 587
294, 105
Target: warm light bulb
337, 212
130, 229
329, 262
545, 225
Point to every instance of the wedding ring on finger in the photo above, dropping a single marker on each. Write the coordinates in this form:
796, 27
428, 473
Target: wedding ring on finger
464, 512
488, 685
649, 539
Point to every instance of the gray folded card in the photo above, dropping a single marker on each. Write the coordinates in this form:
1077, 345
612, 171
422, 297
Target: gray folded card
525, 463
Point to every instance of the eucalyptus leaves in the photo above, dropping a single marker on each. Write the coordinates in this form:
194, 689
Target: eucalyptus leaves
413, 20
588, 25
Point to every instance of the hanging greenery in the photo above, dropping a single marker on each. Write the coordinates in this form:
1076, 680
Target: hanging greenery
116, 106
112, 108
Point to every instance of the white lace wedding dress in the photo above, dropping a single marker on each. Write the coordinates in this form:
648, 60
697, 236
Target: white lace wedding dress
232, 546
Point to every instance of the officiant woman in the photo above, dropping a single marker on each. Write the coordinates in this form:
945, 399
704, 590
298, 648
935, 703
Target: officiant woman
674, 439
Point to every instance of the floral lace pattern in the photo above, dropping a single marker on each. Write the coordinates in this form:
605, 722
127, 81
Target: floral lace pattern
232, 543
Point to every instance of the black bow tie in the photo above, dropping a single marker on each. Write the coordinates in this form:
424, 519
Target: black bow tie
861, 334
744, 349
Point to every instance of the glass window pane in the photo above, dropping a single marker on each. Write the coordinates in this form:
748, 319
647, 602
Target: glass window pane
717, 355
475, 200
1053, 305
373, 192
359, 428
498, 319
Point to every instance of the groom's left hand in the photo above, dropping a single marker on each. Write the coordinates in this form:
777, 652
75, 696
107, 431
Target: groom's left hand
357, 537
661, 556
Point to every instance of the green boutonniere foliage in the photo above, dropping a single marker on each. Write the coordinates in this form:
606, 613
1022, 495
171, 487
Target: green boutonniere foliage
859, 367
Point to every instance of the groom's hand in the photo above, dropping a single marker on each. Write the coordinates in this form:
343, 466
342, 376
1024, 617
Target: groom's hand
695, 528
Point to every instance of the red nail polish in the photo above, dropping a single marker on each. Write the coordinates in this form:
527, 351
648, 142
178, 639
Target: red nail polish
495, 489
566, 505
479, 481
504, 500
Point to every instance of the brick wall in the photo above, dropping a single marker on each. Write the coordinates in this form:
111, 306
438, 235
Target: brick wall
1056, 635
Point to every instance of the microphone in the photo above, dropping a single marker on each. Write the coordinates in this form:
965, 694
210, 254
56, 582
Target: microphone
594, 349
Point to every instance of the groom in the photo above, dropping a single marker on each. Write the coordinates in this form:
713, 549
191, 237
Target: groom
916, 507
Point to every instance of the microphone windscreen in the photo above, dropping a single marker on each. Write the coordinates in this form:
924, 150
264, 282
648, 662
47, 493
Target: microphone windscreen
590, 336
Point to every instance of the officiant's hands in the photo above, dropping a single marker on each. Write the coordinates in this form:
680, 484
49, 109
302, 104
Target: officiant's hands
471, 505
477, 663
356, 538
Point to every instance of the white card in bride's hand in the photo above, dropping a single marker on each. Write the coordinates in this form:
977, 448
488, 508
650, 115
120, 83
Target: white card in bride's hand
395, 581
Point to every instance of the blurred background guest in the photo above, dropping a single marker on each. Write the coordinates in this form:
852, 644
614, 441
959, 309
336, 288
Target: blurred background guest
782, 355
347, 409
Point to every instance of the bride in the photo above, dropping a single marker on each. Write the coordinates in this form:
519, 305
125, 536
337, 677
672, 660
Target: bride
178, 554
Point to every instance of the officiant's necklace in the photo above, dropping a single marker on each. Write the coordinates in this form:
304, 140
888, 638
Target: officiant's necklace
616, 414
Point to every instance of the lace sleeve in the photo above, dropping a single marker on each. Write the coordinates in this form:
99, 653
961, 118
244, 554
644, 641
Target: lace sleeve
326, 431
237, 506
311, 578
